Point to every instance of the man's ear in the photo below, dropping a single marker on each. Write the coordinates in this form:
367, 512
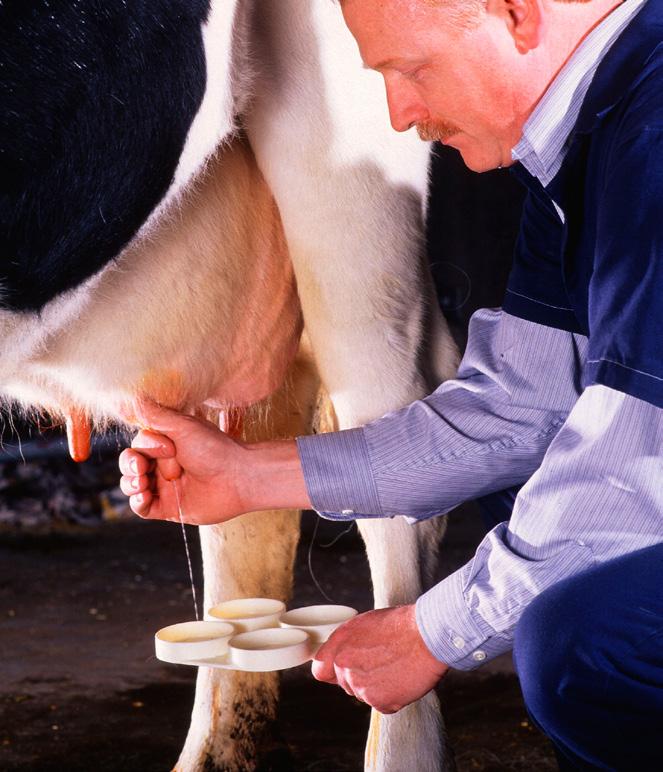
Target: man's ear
524, 22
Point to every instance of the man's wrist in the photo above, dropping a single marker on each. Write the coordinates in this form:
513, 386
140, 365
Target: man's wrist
339, 475
270, 476
435, 665
452, 633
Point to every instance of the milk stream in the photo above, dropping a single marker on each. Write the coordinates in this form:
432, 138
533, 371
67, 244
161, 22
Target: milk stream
176, 487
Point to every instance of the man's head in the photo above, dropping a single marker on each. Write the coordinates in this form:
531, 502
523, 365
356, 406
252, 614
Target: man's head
469, 72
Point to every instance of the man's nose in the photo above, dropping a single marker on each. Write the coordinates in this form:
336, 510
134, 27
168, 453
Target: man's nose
405, 106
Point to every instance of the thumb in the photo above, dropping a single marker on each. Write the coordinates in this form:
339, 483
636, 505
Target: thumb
150, 415
160, 448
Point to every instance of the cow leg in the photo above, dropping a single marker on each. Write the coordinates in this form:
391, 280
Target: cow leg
350, 194
414, 737
251, 556
402, 559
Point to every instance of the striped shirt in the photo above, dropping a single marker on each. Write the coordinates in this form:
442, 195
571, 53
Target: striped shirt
591, 460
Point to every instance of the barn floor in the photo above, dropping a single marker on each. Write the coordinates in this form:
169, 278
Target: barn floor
81, 690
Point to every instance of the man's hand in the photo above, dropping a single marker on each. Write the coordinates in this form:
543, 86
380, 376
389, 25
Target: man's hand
380, 658
218, 477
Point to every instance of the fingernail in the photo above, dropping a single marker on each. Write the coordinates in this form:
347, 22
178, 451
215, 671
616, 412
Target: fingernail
134, 483
139, 498
133, 465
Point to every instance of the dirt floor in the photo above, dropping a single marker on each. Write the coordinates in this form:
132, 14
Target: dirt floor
80, 601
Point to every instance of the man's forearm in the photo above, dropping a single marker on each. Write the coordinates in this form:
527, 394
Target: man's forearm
272, 477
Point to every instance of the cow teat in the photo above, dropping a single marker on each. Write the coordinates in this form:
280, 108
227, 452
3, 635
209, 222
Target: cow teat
79, 432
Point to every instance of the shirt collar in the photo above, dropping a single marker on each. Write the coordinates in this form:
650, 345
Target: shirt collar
542, 147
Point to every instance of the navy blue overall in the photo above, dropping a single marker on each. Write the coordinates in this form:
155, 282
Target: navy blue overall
589, 651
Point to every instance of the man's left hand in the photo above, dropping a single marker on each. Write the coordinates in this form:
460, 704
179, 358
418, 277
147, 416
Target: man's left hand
380, 658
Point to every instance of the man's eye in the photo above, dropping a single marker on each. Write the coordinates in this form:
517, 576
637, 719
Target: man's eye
413, 74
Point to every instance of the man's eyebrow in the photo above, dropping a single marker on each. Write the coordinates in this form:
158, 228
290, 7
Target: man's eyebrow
379, 65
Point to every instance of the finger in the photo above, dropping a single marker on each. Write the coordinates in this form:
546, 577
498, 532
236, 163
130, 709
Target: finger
133, 463
131, 485
386, 710
378, 701
150, 506
167, 500
322, 666
343, 680
141, 503
169, 469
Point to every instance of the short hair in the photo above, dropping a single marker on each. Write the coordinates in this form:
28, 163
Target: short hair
466, 11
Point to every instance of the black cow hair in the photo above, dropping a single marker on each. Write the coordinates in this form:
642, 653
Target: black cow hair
96, 100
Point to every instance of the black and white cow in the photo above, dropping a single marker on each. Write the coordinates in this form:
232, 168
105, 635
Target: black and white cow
182, 184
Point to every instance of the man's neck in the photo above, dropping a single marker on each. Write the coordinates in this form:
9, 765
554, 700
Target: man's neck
542, 147
566, 25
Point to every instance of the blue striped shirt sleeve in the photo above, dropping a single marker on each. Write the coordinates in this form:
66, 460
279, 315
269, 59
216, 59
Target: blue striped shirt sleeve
486, 430
596, 496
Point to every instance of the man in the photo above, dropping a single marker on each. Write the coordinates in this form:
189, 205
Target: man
561, 390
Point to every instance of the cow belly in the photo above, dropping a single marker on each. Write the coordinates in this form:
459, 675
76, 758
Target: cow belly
203, 309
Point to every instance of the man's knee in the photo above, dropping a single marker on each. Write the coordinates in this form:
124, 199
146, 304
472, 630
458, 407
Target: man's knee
588, 630
589, 657
550, 648
567, 643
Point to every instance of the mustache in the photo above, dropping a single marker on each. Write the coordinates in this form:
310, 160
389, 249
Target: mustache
436, 131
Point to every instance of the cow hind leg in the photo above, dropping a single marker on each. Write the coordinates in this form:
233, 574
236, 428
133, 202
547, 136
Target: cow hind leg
251, 556
402, 559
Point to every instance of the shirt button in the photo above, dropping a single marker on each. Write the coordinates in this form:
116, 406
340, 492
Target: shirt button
479, 655
458, 642
347, 511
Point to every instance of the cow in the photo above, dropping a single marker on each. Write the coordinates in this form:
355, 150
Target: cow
202, 202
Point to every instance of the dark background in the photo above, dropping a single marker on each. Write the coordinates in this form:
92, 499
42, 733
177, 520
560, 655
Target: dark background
472, 224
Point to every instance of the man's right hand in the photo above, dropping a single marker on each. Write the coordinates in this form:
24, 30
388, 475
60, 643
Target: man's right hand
218, 477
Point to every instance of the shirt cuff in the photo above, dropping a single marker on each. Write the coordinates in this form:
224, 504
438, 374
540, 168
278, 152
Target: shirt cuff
450, 631
338, 475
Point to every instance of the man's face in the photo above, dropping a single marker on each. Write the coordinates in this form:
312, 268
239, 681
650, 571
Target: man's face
462, 84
